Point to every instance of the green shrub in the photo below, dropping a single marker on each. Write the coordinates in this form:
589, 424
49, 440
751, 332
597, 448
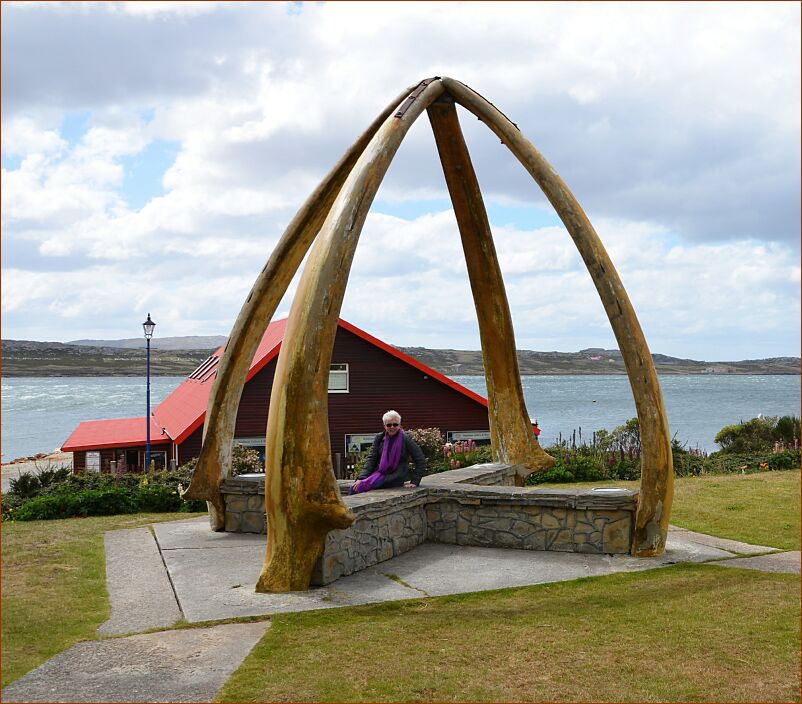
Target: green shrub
753, 435
48, 507
788, 459
158, 498
359, 465
484, 454
688, 464
786, 430
25, 486
98, 494
437, 466
625, 470
51, 474
90, 502
106, 502
558, 474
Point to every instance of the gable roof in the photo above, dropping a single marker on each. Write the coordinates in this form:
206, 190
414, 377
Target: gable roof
184, 410
118, 432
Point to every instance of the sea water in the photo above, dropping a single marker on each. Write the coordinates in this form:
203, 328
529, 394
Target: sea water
698, 406
38, 414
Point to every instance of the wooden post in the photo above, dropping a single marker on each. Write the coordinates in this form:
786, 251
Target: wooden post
657, 473
511, 433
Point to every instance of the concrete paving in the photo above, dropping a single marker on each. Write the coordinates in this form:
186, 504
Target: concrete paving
184, 568
188, 665
211, 587
787, 562
724, 543
136, 576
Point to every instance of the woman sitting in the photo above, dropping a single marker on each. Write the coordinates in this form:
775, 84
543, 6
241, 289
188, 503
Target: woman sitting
387, 464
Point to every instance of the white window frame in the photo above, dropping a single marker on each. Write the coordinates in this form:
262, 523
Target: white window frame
343, 368
93, 466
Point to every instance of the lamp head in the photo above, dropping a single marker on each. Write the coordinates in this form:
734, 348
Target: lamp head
148, 326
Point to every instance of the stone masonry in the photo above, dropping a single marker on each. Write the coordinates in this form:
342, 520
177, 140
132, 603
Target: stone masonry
472, 506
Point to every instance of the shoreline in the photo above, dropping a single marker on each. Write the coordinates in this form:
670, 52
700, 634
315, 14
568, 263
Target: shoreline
32, 464
579, 372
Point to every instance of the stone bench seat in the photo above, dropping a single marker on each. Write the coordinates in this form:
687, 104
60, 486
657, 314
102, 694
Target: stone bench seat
476, 505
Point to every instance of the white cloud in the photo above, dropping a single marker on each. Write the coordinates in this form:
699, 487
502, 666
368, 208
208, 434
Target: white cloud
677, 127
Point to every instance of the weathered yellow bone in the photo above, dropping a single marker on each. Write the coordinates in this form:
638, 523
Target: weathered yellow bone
214, 461
302, 501
511, 433
657, 472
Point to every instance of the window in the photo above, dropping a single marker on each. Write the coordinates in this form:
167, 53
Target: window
92, 461
338, 379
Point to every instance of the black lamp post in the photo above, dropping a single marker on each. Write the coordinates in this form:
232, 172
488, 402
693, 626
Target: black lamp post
148, 326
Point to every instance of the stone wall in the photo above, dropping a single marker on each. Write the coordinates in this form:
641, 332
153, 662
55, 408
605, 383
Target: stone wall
245, 504
472, 506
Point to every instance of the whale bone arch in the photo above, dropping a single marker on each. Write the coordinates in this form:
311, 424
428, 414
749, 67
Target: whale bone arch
302, 500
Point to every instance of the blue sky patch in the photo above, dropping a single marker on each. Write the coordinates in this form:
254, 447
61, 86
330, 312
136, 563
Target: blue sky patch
74, 126
144, 172
522, 217
11, 163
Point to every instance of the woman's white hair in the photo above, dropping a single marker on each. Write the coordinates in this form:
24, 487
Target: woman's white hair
391, 415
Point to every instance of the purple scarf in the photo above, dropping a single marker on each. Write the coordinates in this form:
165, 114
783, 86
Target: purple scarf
391, 454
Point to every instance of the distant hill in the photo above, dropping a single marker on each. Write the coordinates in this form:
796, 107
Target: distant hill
42, 359
595, 361
188, 342
179, 358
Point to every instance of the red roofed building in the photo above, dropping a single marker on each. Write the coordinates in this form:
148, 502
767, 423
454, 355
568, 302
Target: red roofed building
367, 378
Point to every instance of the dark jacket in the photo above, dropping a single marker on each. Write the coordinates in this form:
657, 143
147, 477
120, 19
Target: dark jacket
398, 477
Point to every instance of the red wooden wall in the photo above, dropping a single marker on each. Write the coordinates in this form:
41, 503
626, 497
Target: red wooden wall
378, 382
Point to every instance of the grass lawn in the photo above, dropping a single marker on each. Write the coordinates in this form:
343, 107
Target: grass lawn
762, 509
684, 633
54, 585
689, 632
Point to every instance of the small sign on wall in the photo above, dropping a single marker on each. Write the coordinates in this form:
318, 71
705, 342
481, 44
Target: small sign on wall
359, 442
480, 437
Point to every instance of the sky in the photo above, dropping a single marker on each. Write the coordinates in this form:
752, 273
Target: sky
154, 152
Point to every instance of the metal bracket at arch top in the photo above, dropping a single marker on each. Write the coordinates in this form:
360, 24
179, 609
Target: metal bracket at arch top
414, 94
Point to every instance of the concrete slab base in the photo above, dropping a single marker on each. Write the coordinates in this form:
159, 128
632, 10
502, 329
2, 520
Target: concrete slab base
733, 546
189, 665
135, 576
212, 587
787, 562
